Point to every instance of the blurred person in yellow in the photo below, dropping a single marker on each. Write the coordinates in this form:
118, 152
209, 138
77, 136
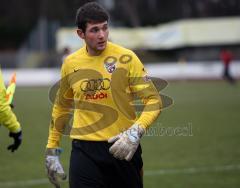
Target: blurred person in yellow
7, 117
98, 84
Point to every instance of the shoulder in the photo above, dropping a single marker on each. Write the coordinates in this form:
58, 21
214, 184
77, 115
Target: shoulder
125, 55
70, 61
73, 56
115, 48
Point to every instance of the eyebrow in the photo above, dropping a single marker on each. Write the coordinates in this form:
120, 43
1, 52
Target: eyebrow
94, 27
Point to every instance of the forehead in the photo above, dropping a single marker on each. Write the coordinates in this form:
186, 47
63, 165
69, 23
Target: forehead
99, 25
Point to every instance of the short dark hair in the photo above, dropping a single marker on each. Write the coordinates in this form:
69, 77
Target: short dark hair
90, 12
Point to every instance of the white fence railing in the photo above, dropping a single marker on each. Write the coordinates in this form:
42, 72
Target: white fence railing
167, 71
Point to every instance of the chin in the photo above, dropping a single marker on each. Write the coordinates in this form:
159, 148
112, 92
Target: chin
101, 48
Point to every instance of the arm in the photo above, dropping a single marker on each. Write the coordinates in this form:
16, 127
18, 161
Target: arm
60, 117
61, 112
152, 105
8, 118
126, 143
145, 90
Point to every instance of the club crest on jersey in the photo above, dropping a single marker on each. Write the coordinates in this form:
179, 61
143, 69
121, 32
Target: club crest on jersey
110, 64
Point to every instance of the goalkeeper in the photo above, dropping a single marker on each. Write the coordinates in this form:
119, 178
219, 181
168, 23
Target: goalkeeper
8, 119
98, 84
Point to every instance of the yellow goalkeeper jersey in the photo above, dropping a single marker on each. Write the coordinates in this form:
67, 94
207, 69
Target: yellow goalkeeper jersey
7, 117
96, 97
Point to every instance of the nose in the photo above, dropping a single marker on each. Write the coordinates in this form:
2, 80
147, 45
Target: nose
101, 34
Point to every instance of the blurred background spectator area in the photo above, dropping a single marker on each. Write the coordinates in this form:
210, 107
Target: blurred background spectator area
36, 34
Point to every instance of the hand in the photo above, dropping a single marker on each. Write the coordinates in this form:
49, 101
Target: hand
126, 143
17, 141
54, 168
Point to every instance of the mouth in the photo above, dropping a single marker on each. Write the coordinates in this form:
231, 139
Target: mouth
101, 43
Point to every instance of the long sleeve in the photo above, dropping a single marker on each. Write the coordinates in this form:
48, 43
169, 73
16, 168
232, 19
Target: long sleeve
7, 117
61, 112
144, 89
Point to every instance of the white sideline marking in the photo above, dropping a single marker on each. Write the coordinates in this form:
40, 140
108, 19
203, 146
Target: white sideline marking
24, 183
192, 170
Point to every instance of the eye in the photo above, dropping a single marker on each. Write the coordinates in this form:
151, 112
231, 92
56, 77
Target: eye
94, 30
105, 27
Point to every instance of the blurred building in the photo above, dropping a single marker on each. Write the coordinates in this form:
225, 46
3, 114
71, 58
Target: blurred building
28, 34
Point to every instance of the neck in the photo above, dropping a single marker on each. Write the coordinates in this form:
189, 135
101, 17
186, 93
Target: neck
92, 52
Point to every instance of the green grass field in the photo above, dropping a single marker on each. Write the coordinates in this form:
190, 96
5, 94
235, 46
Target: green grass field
209, 157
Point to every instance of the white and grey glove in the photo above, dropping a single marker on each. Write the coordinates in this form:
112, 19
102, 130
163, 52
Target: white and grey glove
54, 168
126, 143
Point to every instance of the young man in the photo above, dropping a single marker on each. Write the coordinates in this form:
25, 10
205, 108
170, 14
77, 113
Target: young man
98, 84
8, 119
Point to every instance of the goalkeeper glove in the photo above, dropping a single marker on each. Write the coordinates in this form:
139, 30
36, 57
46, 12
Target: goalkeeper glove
17, 141
54, 168
126, 143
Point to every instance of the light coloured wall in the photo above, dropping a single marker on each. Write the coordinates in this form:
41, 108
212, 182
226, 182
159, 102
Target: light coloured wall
192, 32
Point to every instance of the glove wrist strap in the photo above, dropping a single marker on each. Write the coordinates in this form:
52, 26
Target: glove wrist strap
135, 133
53, 151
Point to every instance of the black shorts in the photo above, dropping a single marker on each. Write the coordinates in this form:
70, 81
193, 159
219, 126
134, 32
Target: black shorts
92, 166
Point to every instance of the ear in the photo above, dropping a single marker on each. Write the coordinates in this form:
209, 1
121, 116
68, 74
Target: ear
81, 33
